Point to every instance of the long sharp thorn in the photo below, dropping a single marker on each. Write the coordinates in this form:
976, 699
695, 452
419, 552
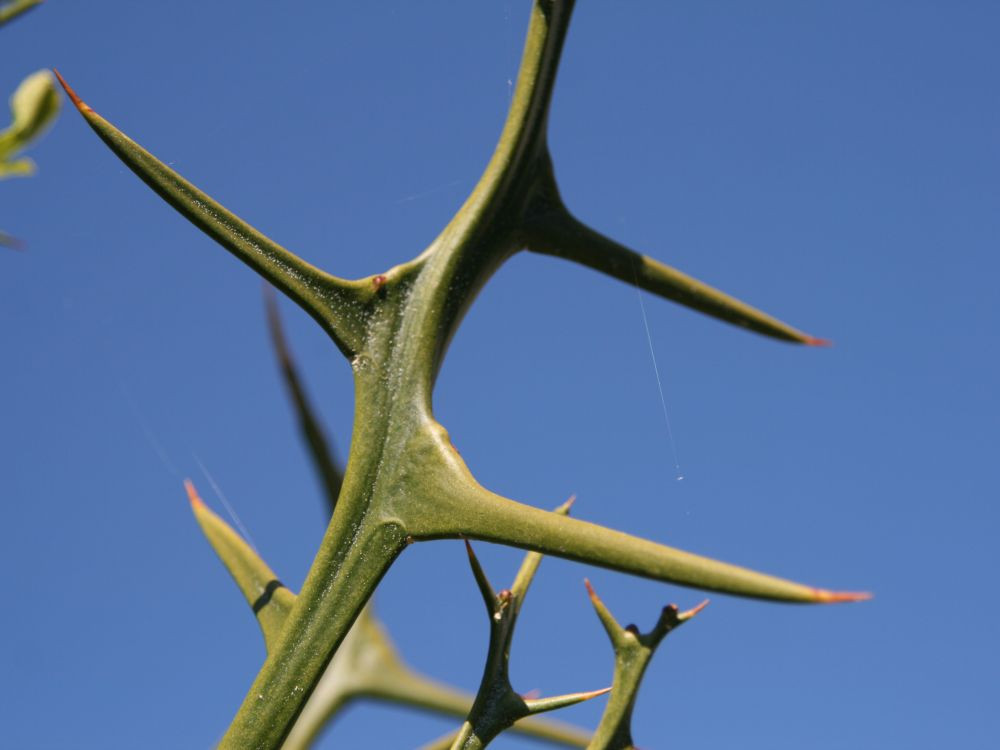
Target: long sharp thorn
557, 232
520, 525
540, 705
485, 587
312, 431
322, 295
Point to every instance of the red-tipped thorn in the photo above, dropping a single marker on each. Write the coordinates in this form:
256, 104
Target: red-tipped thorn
565, 508
692, 612
813, 341
536, 705
77, 101
192, 493
594, 693
833, 597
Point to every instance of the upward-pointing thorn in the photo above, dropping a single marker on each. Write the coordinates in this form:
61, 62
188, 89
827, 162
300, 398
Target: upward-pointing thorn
566, 506
684, 616
77, 101
192, 493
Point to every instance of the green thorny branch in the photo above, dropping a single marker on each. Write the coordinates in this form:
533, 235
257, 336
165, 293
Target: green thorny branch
404, 481
633, 652
497, 706
366, 665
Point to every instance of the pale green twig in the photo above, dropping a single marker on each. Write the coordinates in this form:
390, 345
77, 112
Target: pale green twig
633, 652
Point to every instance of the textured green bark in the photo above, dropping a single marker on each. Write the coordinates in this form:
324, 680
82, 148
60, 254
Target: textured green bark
366, 666
404, 482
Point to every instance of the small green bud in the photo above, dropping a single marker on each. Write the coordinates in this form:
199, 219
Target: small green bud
34, 106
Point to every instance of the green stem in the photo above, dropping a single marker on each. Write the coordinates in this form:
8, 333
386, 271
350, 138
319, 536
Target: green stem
404, 480
339, 584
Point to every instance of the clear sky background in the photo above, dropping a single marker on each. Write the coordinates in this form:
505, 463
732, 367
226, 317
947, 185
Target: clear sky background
837, 164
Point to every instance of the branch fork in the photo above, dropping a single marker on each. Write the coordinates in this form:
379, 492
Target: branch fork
403, 480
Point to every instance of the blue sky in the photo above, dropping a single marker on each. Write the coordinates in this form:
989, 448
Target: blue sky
834, 164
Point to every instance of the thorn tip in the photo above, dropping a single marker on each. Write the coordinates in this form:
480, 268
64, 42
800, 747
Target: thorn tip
192, 493
77, 101
815, 341
693, 611
834, 597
